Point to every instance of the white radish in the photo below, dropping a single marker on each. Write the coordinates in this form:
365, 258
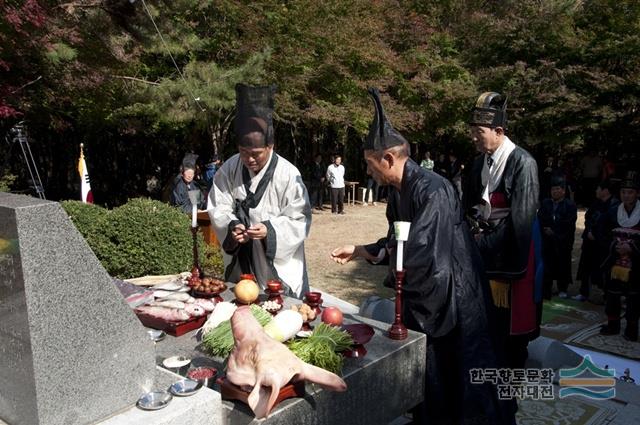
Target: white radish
222, 312
284, 326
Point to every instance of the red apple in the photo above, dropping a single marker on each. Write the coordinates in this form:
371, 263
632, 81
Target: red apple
332, 316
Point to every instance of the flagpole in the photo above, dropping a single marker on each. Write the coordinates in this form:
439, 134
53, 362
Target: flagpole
86, 195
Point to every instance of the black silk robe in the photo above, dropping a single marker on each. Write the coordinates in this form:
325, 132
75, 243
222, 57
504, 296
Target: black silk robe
445, 297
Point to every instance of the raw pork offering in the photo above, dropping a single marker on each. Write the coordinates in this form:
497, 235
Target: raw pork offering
263, 365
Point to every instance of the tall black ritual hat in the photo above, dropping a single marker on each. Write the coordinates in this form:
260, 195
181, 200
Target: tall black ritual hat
381, 135
490, 110
254, 112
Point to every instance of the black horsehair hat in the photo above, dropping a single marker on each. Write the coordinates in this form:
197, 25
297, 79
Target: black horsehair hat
559, 180
490, 110
630, 181
254, 112
381, 135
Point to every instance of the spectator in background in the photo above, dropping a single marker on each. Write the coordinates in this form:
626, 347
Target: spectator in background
455, 173
372, 185
441, 166
557, 216
593, 252
210, 170
549, 170
183, 184
427, 163
591, 170
335, 177
317, 183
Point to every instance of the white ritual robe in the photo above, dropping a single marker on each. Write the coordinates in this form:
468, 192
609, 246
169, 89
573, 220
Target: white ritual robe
284, 208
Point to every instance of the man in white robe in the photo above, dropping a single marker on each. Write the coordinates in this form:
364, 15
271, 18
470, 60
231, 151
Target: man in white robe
258, 204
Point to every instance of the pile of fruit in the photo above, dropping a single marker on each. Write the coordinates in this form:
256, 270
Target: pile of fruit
208, 285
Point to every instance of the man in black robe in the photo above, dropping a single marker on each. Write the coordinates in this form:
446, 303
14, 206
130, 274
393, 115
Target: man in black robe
444, 295
502, 194
593, 238
557, 216
622, 269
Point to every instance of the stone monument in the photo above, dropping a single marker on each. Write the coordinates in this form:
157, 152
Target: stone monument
71, 350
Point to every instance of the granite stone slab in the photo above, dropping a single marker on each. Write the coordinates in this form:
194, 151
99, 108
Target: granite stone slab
204, 407
71, 350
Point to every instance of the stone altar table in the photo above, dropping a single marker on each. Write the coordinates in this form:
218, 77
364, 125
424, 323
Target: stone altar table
383, 385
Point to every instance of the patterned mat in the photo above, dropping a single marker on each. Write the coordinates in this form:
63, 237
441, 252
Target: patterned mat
590, 337
578, 323
568, 411
562, 319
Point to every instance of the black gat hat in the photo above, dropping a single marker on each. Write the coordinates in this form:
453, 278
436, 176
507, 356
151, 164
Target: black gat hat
490, 111
381, 135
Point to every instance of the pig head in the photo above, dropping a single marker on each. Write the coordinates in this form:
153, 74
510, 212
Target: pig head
266, 365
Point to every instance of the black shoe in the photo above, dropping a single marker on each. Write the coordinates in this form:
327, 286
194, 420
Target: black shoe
342, 212
611, 328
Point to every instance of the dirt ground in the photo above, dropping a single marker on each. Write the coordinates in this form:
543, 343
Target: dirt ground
355, 281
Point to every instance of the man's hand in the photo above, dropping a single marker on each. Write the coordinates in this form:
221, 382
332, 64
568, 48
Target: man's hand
344, 254
548, 231
257, 231
239, 234
590, 236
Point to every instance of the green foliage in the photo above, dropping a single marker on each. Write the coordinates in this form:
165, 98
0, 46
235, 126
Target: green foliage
142, 237
99, 72
6, 181
61, 52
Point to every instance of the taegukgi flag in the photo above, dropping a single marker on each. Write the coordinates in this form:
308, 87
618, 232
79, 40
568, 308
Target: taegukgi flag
85, 184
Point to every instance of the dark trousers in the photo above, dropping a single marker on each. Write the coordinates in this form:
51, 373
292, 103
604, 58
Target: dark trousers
315, 196
589, 272
613, 307
371, 185
337, 200
557, 262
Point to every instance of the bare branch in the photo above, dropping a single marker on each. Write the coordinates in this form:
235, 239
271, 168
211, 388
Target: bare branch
71, 5
28, 84
124, 77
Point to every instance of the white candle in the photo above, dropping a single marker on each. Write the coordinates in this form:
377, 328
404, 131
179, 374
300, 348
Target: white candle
400, 249
194, 216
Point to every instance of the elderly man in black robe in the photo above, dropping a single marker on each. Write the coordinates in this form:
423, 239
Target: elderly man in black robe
444, 294
502, 195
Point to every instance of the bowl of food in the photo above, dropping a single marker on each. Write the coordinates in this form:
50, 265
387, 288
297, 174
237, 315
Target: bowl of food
208, 287
205, 375
308, 315
177, 364
272, 307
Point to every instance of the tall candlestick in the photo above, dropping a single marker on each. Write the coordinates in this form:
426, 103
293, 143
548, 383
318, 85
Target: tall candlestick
194, 196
